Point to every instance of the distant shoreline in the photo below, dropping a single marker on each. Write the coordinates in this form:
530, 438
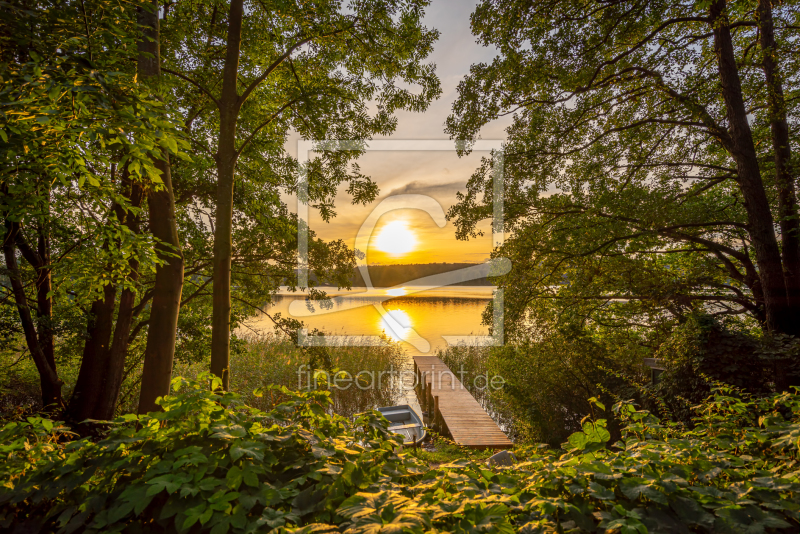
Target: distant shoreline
403, 274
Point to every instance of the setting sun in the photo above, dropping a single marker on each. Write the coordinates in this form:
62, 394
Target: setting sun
396, 238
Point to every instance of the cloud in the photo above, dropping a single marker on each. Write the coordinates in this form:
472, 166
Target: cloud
422, 188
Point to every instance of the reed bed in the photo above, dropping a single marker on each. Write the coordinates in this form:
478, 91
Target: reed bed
270, 359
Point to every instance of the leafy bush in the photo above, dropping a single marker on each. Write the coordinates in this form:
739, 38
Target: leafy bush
208, 464
737, 473
703, 351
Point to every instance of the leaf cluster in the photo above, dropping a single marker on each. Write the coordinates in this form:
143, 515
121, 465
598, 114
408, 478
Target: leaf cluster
208, 464
737, 472
204, 463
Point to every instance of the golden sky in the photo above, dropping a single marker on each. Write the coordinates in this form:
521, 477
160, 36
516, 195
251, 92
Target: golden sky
437, 174
409, 235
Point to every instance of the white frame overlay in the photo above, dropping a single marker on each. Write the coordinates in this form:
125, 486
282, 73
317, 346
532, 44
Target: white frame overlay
495, 267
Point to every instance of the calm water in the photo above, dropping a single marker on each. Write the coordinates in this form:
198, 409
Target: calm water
416, 317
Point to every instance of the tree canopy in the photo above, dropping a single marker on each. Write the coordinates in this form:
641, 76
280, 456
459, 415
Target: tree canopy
649, 168
79, 137
248, 77
115, 235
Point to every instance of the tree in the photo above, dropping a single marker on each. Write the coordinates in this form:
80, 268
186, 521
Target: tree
168, 285
78, 141
786, 171
256, 73
636, 186
40, 343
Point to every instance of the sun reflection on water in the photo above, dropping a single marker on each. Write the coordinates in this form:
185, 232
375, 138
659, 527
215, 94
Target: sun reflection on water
396, 324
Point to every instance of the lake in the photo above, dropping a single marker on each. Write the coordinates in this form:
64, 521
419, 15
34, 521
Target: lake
418, 317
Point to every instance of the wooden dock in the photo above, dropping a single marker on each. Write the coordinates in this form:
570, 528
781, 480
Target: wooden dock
452, 409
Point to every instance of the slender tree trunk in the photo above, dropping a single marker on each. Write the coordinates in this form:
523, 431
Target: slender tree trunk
44, 285
761, 226
784, 173
50, 383
39, 260
44, 282
118, 350
226, 165
163, 324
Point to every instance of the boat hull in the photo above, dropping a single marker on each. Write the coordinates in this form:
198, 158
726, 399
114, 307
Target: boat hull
404, 421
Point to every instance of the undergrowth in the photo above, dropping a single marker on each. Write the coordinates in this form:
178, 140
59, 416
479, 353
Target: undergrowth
208, 463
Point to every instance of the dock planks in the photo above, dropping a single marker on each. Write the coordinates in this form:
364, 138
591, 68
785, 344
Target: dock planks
459, 414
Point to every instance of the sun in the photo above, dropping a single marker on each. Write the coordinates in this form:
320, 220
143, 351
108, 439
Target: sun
396, 238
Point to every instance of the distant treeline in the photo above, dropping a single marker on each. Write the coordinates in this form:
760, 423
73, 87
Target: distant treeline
395, 275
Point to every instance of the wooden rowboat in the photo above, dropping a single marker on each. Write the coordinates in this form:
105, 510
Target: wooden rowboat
403, 420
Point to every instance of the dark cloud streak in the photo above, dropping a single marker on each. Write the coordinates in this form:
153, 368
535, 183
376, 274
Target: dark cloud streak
416, 187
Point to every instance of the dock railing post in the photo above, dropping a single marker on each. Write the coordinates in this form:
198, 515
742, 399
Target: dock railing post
436, 415
422, 392
429, 397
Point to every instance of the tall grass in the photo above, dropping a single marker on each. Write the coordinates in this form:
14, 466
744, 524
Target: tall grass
269, 359
261, 361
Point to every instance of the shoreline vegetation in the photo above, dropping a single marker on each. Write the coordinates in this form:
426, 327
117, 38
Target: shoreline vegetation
267, 360
258, 361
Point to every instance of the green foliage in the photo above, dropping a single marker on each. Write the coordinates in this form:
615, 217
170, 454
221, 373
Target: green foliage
703, 351
737, 472
276, 360
205, 461
79, 133
621, 201
337, 71
447, 451
75, 128
209, 464
256, 362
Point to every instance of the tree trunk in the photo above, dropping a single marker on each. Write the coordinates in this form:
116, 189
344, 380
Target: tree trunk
115, 359
760, 227
104, 352
784, 173
88, 387
117, 352
163, 324
44, 285
226, 165
50, 383
39, 260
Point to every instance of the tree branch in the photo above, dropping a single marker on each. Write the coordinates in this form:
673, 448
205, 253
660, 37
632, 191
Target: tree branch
196, 84
275, 64
264, 124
